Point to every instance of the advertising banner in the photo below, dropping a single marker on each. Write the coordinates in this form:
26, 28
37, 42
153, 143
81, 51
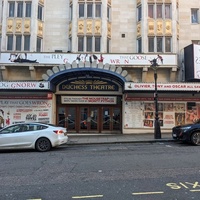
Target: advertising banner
88, 100
14, 111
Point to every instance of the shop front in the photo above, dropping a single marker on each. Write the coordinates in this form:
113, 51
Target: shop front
178, 104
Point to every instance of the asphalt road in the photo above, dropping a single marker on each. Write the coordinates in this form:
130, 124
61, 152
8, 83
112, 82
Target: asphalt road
147, 171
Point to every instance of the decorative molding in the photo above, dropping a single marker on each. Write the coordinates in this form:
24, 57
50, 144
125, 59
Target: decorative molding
151, 28
89, 29
18, 26
40, 29
168, 27
159, 27
138, 2
139, 29
109, 29
41, 2
70, 29
97, 29
103, 67
81, 27
27, 26
10, 26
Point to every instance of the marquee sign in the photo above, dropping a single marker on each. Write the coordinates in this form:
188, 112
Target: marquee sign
25, 85
163, 86
88, 100
63, 58
88, 85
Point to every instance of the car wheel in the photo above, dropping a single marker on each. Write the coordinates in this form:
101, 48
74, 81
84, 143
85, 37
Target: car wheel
43, 144
195, 138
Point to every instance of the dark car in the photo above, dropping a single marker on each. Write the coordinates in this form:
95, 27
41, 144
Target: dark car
188, 133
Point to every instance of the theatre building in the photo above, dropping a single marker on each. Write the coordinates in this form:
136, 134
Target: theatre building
94, 96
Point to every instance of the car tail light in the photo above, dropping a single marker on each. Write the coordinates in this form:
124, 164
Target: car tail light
58, 132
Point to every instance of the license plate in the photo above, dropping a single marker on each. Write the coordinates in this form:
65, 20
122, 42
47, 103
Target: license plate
174, 135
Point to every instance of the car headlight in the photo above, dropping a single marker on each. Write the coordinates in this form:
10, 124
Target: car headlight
185, 128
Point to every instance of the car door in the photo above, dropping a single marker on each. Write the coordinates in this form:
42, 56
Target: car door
17, 136
9, 136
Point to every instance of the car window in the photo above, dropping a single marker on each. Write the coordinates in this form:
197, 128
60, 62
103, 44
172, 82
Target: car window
11, 129
40, 127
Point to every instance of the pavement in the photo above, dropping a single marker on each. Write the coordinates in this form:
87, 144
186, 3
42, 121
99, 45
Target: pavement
83, 139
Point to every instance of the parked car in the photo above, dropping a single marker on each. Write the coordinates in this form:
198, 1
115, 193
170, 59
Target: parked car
188, 133
39, 136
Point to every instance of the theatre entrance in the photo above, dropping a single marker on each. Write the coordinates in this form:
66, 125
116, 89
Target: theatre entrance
90, 118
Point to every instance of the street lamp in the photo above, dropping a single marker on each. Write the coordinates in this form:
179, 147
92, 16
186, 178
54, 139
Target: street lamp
154, 66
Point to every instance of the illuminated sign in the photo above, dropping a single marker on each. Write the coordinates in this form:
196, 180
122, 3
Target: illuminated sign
88, 85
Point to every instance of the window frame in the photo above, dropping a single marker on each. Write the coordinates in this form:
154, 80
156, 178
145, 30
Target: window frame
159, 11
151, 12
81, 10
151, 44
194, 11
89, 10
10, 40
159, 44
89, 43
20, 5
168, 49
18, 42
97, 44
27, 39
80, 43
11, 9
139, 13
28, 9
98, 11
40, 13
139, 45
39, 44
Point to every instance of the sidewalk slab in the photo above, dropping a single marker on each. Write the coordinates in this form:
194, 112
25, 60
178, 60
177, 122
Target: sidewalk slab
75, 139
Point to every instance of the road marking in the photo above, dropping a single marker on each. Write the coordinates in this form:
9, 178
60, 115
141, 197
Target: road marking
194, 190
145, 193
33, 199
87, 197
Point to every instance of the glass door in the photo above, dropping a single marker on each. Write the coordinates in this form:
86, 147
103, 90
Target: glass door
88, 118
67, 117
106, 118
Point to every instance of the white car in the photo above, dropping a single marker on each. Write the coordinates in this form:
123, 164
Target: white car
39, 136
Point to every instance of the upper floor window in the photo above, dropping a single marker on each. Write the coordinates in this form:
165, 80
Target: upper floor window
18, 43
97, 44
139, 45
40, 12
20, 9
39, 45
70, 12
194, 15
89, 10
98, 10
159, 11
81, 10
151, 11
168, 11
108, 13
139, 13
28, 9
9, 42
160, 44
89, 44
11, 9
80, 43
27, 43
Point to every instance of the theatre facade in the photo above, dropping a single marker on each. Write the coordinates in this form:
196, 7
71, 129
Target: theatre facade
107, 93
